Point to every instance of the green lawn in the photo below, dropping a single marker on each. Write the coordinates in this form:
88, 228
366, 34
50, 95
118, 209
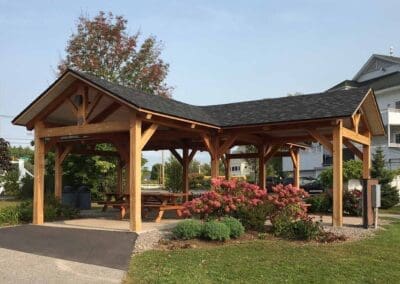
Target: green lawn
375, 260
393, 210
6, 203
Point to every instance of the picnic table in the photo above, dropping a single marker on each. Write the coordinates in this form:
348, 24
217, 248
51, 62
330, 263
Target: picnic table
159, 200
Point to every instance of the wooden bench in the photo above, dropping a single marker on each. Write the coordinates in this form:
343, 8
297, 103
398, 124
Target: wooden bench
146, 208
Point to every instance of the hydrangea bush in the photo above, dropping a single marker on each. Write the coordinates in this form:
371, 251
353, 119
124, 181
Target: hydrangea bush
227, 197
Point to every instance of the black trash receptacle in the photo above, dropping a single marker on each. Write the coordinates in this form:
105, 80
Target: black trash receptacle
84, 198
69, 196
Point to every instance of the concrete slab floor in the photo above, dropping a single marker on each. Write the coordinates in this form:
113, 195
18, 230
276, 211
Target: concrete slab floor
112, 224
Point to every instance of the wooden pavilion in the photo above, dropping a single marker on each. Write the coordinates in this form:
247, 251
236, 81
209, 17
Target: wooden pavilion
80, 110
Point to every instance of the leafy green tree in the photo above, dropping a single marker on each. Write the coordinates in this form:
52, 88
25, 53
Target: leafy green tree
5, 158
155, 172
389, 194
352, 169
205, 169
194, 166
102, 46
173, 175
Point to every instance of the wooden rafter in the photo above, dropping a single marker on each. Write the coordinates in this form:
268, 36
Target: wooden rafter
53, 105
148, 133
192, 153
208, 144
356, 121
353, 148
93, 105
356, 137
103, 127
74, 109
228, 143
104, 114
321, 139
176, 155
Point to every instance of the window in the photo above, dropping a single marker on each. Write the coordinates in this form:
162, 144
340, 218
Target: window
397, 138
397, 105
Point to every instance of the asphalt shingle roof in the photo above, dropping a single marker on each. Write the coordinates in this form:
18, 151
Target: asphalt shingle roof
340, 103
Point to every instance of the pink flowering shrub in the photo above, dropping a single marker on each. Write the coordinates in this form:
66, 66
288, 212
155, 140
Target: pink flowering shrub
227, 197
288, 203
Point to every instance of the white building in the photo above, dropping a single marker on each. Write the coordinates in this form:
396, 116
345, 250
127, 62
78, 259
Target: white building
239, 167
382, 73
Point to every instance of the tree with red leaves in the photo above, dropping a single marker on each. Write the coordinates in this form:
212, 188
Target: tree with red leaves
102, 46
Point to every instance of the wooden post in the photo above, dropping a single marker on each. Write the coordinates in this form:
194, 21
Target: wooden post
295, 155
135, 169
38, 183
185, 172
58, 173
119, 177
227, 164
261, 166
337, 216
215, 157
366, 158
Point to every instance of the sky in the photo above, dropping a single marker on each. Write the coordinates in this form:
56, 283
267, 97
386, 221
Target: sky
218, 51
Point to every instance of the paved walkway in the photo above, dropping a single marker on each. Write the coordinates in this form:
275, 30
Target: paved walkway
43, 254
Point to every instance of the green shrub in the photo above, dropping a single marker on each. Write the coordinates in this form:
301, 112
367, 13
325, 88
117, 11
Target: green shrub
254, 218
389, 196
11, 184
188, 229
9, 215
321, 203
298, 230
235, 227
352, 202
216, 231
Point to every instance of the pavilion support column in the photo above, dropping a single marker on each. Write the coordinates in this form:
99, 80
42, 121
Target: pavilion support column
337, 217
135, 151
215, 157
295, 155
185, 172
366, 159
58, 173
119, 177
227, 164
261, 166
38, 183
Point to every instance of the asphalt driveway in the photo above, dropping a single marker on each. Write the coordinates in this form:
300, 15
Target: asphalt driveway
97, 247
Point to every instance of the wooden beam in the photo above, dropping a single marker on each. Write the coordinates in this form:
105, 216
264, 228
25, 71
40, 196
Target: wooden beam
53, 105
242, 156
74, 109
271, 153
356, 121
321, 139
65, 152
353, 148
93, 105
135, 169
337, 216
38, 183
356, 137
192, 153
366, 158
227, 166
227, 144
88, 152
148, 134
208, 144
176, 155
95, 128
104, 114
